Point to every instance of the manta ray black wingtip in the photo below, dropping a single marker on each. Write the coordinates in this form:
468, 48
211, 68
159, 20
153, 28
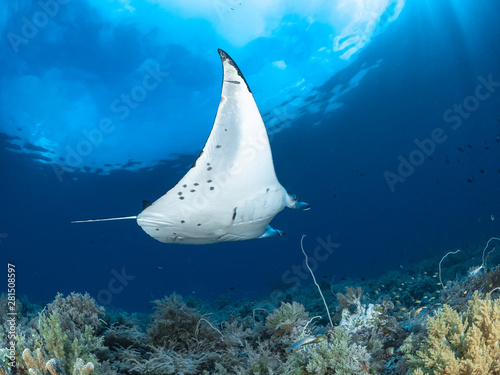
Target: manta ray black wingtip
225, 57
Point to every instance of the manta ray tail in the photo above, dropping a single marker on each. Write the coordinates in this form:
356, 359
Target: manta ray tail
109, 219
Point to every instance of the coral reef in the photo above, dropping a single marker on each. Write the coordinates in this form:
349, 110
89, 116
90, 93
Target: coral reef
67, 332
351, 298
405, 322
37, 365
461, 343
286, 317
337, 355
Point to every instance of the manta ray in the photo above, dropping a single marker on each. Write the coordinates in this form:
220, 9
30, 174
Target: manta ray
231, 193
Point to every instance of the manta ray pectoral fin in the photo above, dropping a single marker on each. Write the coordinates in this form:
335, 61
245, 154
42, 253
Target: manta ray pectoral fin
292, 202
271, 232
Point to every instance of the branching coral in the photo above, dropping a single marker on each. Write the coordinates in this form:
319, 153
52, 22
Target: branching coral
66, 331
174, 325
352, 298
461, 344
37, 365
369, 325
4, 370
337, 356
287, 316
364, 318
75, 312
162, 361
262, 360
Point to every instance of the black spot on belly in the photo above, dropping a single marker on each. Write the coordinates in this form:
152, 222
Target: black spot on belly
180, 193
218, 146
181, 198
192, 190
196, 184
184, 186
198, 225
234, 213
209, 168
209, 181
208, 163
182, 221
212, 188
157, 229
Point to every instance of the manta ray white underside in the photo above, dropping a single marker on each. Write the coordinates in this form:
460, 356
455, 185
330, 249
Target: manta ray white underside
231, 193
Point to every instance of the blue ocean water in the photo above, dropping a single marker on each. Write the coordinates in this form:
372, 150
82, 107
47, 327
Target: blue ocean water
394, 139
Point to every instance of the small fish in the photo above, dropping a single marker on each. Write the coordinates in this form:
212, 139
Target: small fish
475, 271
306, 341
